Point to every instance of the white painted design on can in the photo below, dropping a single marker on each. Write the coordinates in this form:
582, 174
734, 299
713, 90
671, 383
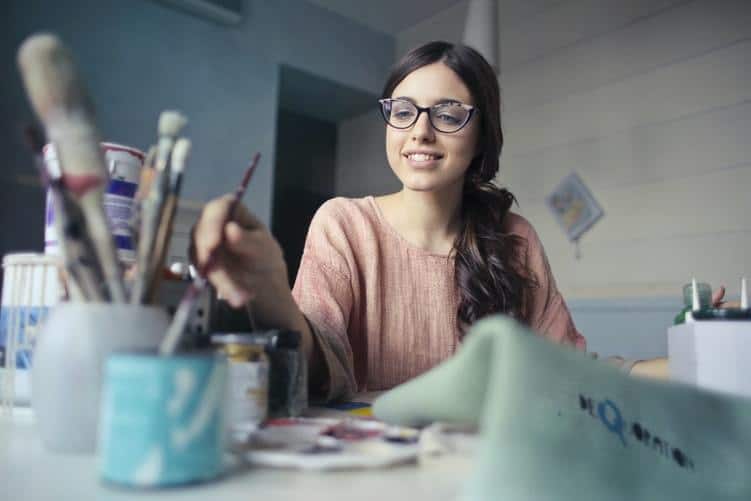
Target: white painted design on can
208, 406
149, 472
184, 382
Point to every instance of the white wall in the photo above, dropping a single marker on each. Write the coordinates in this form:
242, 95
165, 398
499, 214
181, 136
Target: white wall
650, 102
653, 113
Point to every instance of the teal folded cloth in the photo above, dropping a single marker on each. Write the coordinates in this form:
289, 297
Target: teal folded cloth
556, 424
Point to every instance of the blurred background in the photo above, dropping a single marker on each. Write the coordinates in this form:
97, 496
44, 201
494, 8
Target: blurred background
649, 101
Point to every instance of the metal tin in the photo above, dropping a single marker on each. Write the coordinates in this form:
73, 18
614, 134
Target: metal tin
124, 165
248, 382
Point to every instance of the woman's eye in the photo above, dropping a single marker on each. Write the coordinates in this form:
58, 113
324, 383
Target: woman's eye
402, 114
448, 118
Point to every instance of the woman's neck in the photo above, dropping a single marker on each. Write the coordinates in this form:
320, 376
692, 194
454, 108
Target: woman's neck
428, 219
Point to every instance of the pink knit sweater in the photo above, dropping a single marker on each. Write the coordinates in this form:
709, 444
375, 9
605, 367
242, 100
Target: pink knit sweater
384, 310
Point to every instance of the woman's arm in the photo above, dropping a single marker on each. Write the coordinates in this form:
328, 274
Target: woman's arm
547, 311
250, 269
656, 368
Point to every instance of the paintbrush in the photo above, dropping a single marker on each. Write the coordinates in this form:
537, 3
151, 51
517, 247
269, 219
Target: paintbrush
145, 179
177, 166
60, 100
84, 279
188, 301
170, 125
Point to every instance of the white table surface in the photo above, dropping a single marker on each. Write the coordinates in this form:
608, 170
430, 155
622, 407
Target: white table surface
29, 472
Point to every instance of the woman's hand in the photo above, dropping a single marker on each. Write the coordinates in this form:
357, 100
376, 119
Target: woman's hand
249, 265
248, 258
655, 368
717, 301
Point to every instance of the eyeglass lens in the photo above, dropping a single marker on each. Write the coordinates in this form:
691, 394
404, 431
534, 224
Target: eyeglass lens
446, 117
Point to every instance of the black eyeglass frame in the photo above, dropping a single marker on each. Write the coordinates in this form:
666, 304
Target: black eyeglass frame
471, 109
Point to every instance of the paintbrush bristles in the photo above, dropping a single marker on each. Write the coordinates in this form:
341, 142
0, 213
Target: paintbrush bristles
171, 122
695, 305
50, 77
744, 294
180, 155
59, 98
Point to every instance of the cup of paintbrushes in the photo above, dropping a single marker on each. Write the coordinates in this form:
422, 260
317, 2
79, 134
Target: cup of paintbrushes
68, 362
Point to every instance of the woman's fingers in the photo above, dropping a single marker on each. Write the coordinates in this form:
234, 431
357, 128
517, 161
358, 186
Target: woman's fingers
233, 281
717, 296
208, 231
210, 227
246, 252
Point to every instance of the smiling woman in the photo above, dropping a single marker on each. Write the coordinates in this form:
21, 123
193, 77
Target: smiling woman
388, 285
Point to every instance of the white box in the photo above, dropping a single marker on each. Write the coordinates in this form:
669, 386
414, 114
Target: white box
713, 354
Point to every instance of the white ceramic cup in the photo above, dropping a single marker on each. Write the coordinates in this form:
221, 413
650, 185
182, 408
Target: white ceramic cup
68, 366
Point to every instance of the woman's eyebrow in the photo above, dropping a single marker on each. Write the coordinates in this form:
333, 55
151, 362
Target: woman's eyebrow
442, 100
405, 98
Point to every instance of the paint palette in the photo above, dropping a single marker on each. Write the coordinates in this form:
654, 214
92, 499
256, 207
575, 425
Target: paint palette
331, 444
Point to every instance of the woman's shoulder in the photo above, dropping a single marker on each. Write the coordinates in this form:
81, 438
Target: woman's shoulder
517, 224
339, 211
340, 230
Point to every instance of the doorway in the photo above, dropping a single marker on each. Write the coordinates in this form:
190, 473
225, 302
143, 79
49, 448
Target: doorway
310, 109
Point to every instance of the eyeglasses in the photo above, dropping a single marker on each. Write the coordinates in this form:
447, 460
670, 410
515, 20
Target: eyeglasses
445, 117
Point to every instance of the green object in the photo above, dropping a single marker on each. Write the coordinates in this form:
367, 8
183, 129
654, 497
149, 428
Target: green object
556, 424
705, 300
681, 316
705, 295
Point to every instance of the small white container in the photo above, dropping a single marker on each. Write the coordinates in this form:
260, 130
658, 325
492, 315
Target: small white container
31, 286
124, 164
713, 354
69, 362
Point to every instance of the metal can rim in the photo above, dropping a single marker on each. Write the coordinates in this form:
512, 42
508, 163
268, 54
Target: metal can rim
106, 146
234, 338
30, 258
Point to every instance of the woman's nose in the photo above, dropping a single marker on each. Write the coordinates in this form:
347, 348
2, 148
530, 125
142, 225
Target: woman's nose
423, 131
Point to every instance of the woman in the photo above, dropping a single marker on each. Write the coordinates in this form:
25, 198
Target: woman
388, 285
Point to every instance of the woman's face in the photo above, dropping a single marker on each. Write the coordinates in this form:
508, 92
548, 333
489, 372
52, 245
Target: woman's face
423, 158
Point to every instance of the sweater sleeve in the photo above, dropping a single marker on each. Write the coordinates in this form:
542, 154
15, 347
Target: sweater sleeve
323, 292
548, 313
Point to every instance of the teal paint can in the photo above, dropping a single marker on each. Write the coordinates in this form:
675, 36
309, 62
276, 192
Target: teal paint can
162, 420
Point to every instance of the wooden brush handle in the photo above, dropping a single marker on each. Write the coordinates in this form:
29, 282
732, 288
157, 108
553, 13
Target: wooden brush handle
161, 246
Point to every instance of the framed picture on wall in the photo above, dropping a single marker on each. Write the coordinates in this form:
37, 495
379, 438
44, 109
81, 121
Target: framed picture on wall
573, 206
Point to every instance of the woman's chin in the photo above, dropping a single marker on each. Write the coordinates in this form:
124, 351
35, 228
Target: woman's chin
423, 182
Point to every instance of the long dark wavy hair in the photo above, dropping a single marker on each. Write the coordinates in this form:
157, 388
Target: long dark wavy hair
490, 271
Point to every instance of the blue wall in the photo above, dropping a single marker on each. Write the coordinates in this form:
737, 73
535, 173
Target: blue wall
629, 327
139, 57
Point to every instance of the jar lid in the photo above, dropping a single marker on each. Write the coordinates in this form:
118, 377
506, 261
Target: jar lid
30, 258
48, 150
236, 338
